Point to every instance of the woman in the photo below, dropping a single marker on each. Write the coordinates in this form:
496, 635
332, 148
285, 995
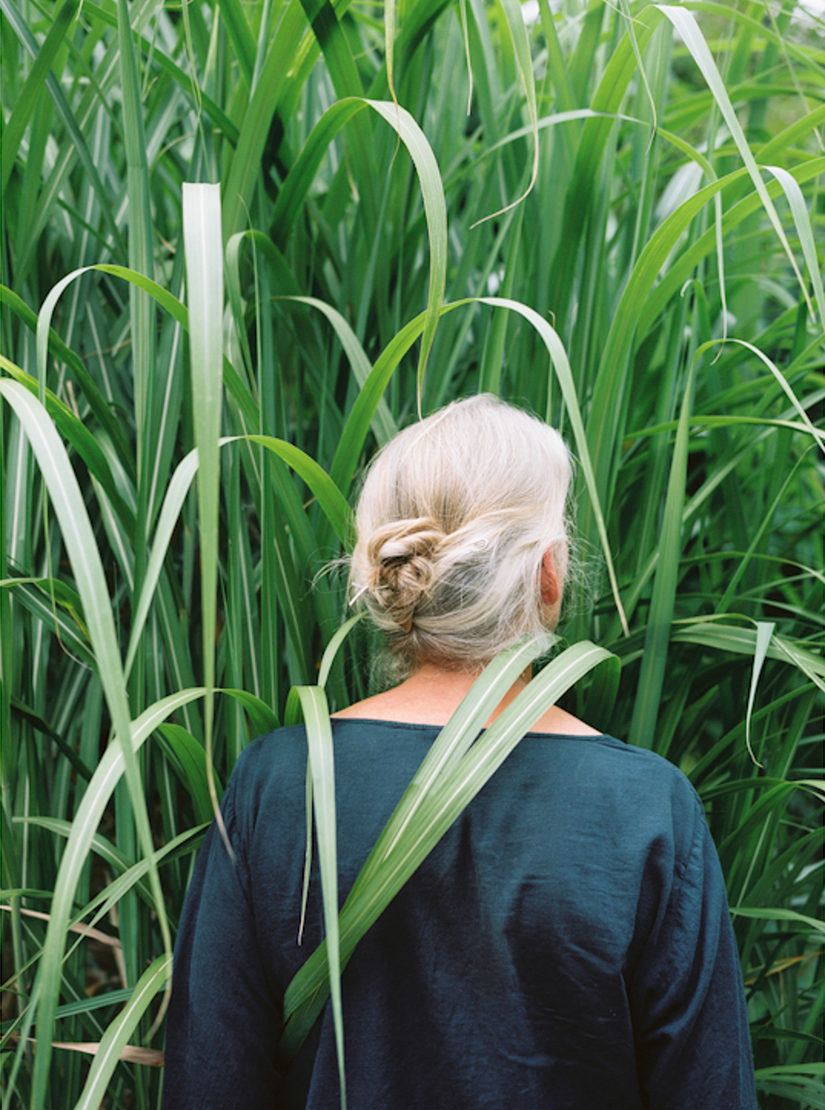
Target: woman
566, 945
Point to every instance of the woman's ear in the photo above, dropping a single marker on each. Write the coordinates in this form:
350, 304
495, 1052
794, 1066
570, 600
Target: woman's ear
549, 582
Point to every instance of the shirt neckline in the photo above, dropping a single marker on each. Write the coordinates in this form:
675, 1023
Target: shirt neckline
437, 728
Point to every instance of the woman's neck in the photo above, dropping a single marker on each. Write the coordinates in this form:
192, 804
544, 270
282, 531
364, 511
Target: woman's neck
432, 694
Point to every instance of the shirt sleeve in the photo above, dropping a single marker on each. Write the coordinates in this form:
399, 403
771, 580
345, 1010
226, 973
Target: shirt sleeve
691, 1022
223, 1022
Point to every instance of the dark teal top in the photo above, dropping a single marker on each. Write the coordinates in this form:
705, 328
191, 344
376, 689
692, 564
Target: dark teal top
566, 946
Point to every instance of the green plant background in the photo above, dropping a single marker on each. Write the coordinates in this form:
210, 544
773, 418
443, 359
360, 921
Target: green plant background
610, 213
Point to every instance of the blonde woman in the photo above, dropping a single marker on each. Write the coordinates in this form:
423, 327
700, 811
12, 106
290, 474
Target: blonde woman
566, 946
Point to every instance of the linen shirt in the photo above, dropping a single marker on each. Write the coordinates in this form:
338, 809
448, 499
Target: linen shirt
566, 946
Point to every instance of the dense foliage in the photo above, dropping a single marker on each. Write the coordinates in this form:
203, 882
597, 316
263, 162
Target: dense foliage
611, 213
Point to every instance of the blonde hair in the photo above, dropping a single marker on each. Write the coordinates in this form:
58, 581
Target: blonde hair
455, 515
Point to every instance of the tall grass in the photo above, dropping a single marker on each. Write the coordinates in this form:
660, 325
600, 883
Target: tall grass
656, 293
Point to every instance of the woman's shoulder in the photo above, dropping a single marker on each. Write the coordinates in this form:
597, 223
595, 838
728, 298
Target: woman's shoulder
283, 751
615, 761
645, 788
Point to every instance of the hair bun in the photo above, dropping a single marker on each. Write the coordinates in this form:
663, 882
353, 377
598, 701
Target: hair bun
455, 518
401, 556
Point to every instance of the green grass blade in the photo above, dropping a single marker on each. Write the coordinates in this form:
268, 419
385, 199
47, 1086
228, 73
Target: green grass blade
169, 303
186, 757
81, 439
383, 423
764, 632
390, 31
817, 433
330, 498
742, 641
21, 113
685, 23
59, 349
167, 522
366, 404
262, 717
141, 247
117, 1034
241, 37
62, 615
204, 278
561, 365
432, 194
258, 112
521, 49
158, 57
333, 647
802, 223
662, 602
321, 765
76, 148
652, 298
769, 913
296, 186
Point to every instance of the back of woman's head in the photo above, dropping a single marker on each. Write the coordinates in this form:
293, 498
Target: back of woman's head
455, 516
